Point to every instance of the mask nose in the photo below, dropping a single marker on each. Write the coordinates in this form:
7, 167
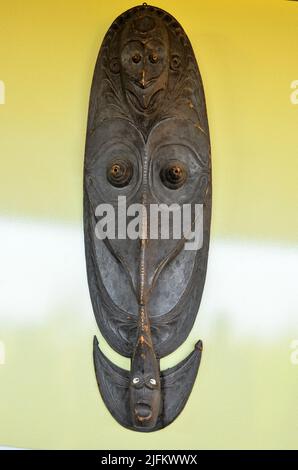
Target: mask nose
142, 82
143, 412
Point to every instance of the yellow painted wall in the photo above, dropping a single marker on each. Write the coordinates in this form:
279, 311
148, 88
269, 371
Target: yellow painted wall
247, 53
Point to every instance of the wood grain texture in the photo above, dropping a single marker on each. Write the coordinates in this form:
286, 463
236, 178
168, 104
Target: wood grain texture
148, 140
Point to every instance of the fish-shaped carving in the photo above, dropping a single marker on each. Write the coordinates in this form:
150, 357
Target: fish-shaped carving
147, 145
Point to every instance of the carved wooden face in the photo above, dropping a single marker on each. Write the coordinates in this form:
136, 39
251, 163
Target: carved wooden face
145, 396
147, 140
144, 62
172, 167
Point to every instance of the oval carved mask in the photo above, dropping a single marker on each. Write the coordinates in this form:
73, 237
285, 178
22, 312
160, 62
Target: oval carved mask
147, 162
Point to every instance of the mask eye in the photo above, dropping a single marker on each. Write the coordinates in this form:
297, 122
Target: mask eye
135, 380
119, 173
153, 58
136, 58
173, 175
152, 381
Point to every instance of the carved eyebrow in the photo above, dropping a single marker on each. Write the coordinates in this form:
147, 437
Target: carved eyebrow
185, 146
132, 41
108, 147
156, 42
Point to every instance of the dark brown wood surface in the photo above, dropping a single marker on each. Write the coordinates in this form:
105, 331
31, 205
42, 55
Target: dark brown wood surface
148, 140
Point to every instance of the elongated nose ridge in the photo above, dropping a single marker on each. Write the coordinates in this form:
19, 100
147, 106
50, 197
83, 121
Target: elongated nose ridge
142, 81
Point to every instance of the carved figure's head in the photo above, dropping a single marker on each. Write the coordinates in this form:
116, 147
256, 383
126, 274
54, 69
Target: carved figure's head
144, 58
145, 397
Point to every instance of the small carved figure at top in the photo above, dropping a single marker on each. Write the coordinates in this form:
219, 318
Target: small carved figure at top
144, 63
146, 73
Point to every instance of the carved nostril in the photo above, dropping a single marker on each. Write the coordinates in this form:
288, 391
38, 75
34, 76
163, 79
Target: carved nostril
143, 412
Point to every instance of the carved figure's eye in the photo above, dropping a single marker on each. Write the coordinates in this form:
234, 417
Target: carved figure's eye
153, 58
135, 380
136, 58
173, 175
175, 62
152, 381
115, 65
119, 173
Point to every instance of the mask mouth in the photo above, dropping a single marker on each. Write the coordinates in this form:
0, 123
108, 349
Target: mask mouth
145, 84
143, 412
146, 106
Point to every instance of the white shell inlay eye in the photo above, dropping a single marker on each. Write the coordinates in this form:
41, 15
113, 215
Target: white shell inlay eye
135, 380
153, 381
